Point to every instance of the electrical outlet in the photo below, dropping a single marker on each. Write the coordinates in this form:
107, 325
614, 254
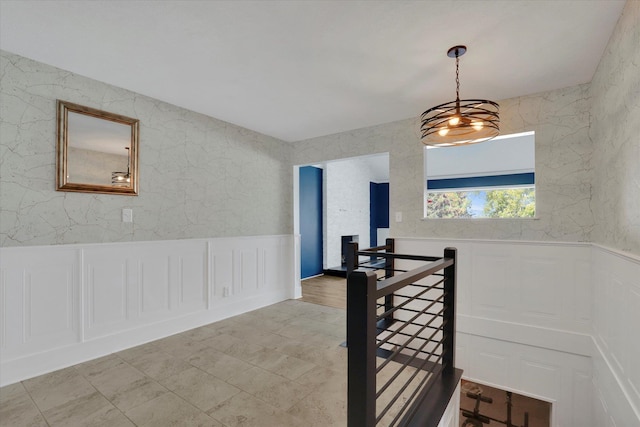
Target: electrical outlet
398, 216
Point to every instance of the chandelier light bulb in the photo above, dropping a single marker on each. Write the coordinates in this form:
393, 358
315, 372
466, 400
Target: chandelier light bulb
453, 121
477, 125
443, 131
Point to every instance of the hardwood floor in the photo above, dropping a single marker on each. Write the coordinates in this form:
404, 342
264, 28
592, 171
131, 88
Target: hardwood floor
325, 290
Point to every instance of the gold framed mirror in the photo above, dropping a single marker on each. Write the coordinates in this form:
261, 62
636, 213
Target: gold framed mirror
97, 151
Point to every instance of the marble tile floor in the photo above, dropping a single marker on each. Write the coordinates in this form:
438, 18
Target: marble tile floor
278, 366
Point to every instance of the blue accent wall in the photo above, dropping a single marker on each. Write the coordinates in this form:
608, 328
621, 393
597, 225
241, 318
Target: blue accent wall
373, 214
310, 198
482, 181
378, 210
382, 208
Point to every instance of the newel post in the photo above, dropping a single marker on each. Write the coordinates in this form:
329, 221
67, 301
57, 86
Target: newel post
449, 316
361, 339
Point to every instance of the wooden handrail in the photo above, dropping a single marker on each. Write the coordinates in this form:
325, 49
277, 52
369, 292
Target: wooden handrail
435, 356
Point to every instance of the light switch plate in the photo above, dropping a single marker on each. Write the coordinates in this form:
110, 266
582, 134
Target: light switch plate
127, 215
398, 216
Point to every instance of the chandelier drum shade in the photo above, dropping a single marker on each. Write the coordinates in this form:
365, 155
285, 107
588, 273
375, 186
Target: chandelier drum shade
460, 122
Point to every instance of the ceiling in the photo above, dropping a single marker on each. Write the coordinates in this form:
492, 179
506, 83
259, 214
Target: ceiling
300, 69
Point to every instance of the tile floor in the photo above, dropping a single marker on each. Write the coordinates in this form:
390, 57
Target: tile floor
274, 367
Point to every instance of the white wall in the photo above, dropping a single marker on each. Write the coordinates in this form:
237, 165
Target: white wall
498, 156
66, 304
523, 318
347, 203
616, 334
555, 321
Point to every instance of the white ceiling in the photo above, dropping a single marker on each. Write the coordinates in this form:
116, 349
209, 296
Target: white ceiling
300, 69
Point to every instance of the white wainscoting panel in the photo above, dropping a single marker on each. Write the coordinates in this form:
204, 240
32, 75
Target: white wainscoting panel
108, 295
616, 329
582, 396
545, 285
191, 276
297, 274
539, 287
153, 285
549, 375
220, 261
538, 283
553, 320
492, 291
247, 271
259, 267
272, 272
63, 305
133, 284
40, 300
540, 377
524, 318
560, 321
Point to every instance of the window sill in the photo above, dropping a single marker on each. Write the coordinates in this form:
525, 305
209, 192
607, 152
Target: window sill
535, 218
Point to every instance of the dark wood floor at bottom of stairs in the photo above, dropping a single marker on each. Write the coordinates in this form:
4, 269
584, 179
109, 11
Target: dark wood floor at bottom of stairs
325, 290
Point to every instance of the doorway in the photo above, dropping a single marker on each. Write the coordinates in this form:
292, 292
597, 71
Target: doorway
344, 208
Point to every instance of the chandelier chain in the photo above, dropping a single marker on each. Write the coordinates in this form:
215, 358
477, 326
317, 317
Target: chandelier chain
457, 77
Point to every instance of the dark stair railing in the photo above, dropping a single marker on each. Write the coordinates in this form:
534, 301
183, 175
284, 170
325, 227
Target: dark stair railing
401, 337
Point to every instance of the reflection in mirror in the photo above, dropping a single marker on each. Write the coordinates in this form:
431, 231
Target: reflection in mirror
97, 151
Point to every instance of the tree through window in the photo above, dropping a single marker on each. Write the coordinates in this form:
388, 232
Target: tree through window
494, 179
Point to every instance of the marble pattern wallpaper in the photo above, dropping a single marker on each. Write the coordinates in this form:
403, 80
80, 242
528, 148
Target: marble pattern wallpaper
615, 131
199, 177
560, 120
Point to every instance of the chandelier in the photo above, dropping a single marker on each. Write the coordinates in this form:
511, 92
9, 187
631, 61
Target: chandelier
460, 122
122, 179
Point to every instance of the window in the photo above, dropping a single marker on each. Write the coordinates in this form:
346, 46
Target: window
494, 179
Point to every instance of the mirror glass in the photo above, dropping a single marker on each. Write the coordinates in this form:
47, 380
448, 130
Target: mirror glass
97, 151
